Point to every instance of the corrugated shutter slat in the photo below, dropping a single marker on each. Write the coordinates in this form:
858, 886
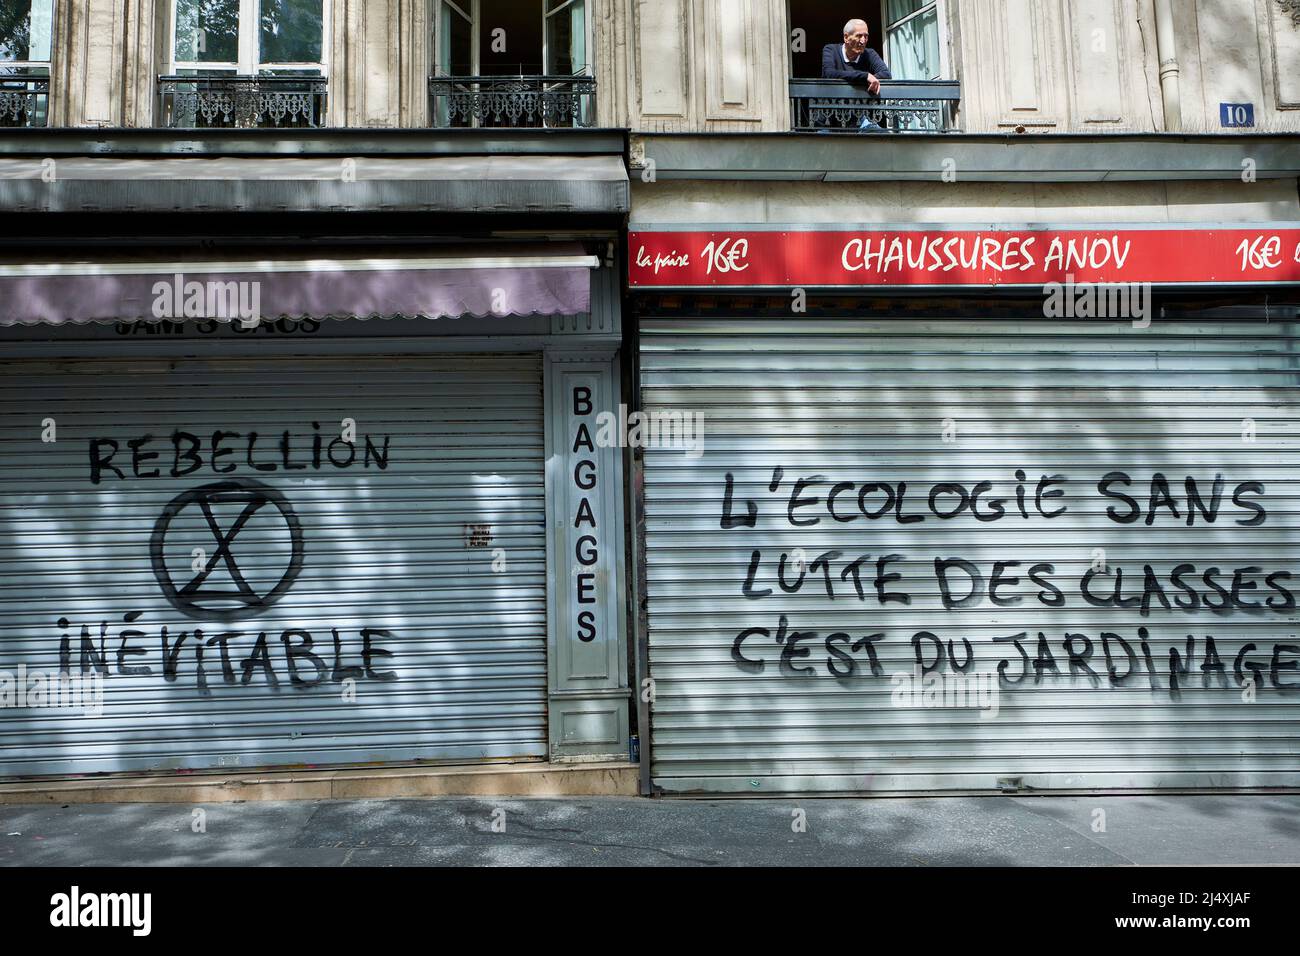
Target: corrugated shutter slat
865, 402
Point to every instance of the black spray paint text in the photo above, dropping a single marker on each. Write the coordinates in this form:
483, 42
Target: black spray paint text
1111, 658
962, 583
224, 452
812, 498
229, 657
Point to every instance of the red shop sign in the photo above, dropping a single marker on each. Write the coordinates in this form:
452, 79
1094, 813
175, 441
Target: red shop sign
905, 257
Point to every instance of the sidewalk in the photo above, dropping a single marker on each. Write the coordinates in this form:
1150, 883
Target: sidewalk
596, 831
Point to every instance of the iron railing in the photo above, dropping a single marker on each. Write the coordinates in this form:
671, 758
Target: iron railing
903, 106
241, 102
512, 101
24, 98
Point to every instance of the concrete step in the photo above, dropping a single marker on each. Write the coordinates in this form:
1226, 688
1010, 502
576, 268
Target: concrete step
534, 779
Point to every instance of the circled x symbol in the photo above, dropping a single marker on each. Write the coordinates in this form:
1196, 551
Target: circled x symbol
192, 598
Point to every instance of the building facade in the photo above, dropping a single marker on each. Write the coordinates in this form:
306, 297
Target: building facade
331, 490
969, 451
954, 526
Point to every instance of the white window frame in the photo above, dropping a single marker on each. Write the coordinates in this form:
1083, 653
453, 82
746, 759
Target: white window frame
587, 68
39, 64
469, 9
941, 17
248, 63
472, 10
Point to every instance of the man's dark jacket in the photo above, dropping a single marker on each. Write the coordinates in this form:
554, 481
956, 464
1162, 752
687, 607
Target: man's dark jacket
834, 66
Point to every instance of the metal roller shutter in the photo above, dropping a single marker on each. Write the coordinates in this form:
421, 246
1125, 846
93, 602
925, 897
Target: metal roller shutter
425, 649
866, 402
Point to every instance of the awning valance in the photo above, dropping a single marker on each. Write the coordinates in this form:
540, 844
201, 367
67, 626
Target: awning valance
501, 184
541, 280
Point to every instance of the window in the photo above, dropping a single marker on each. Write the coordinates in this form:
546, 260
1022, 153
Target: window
26, 29
511, 38
564, 40
246, 63
457, 28
914, 51
248, 37
511, 63
910, 34
922, 93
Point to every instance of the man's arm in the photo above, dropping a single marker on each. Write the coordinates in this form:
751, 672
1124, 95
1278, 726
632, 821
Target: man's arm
878, 66
831, 69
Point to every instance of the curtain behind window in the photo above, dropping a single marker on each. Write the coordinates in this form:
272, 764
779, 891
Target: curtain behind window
912, 33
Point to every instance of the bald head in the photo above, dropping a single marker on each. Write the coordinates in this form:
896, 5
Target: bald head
856, 35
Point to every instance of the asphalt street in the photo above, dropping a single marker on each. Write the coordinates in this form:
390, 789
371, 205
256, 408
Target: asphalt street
591, 831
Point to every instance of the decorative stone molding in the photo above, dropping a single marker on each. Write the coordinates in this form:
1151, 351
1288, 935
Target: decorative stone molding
379, 63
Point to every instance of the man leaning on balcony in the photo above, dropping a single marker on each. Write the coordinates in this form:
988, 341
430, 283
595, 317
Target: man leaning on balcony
854, 61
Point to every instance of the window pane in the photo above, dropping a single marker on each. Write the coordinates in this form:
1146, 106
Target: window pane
566, 37
207, 31
206, 71
914, 48
456, 48
25, 27
291, 31
895, 10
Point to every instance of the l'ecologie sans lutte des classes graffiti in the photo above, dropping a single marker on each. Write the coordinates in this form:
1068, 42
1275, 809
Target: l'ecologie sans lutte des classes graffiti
853, 656
960, 583
848, 501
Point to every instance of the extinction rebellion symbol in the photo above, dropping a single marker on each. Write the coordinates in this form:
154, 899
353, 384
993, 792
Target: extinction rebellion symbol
192, 516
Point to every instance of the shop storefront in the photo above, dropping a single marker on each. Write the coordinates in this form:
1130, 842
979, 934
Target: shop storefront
269, 506
975, 509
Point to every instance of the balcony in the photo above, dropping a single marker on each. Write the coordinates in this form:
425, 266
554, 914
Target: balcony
512, 101
242, 102
903, 106
24, 98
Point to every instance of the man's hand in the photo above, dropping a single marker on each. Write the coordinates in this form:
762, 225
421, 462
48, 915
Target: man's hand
873, 84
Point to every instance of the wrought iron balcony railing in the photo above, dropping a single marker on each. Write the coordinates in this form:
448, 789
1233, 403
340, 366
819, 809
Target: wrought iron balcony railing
903, 106
241, 102
24, 98
512, 101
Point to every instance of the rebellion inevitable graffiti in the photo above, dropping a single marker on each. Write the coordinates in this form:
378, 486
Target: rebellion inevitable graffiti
224, 452
110, 650
1105, 657
193, 598
284, 655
